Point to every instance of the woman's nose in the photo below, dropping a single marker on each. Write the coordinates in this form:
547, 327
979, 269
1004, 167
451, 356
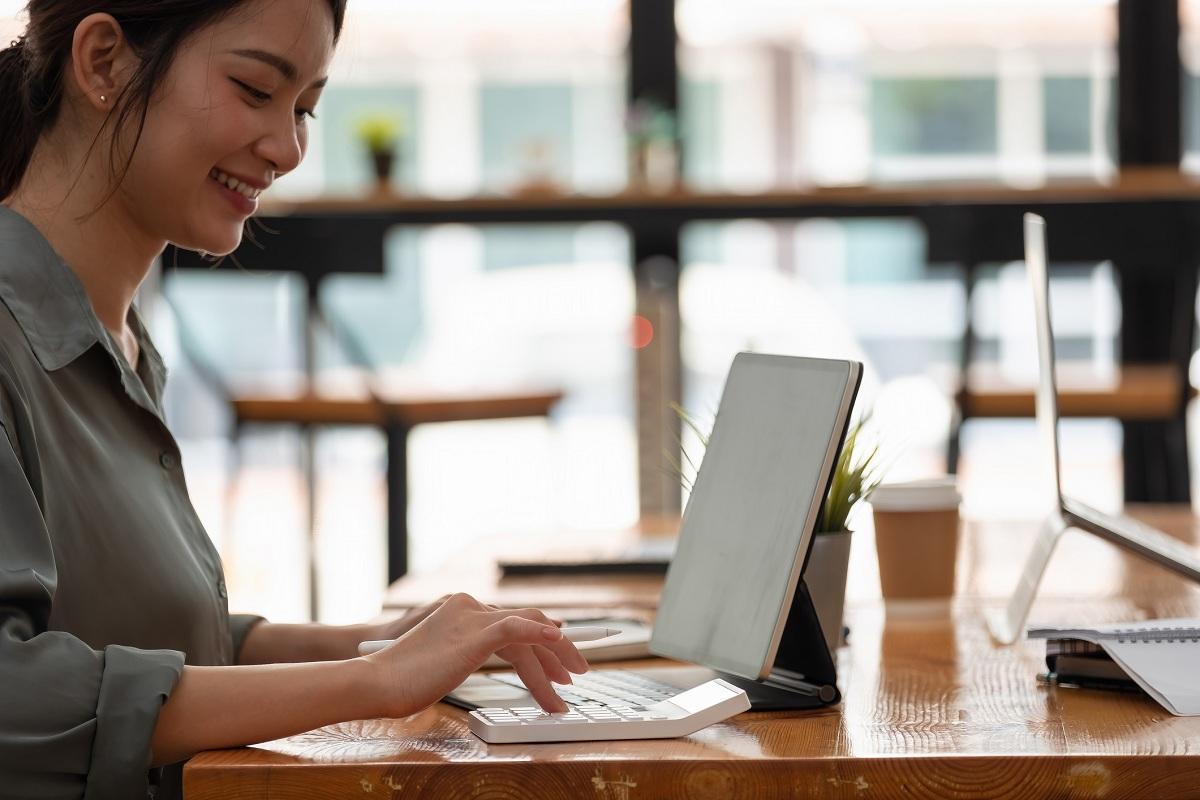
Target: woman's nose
282, 145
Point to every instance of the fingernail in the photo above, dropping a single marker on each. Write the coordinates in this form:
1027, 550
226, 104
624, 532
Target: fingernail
552, 634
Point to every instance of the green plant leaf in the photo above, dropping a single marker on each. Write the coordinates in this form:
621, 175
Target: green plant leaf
690, 421
855, 476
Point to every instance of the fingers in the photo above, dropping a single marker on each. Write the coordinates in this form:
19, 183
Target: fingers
529, 668
520, 625
568, 655
512, 629
553, 668
552, 656
553, 620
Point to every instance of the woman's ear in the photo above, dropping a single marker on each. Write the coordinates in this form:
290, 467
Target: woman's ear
101, 61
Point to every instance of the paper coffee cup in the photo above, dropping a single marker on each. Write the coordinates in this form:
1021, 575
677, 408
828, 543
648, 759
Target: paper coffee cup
916, 538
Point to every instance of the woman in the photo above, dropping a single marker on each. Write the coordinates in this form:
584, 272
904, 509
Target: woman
125, 125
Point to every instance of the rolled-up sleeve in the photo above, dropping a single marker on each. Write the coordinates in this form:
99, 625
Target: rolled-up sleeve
74, 722
239, 626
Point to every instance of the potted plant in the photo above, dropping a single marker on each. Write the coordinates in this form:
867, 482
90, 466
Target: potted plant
855, 476
381, 135
653, 142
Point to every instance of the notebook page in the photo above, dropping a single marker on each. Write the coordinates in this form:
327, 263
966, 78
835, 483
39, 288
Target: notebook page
1166, 670
1161, 655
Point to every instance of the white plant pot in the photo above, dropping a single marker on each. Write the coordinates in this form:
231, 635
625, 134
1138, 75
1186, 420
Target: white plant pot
825, 576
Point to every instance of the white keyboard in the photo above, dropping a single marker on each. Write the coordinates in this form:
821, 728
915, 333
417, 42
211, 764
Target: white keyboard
684, 713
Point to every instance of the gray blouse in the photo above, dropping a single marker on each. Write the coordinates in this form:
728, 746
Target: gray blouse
108, 582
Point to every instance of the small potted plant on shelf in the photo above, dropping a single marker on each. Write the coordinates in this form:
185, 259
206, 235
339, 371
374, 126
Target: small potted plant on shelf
653, 142
855, 476
381, 136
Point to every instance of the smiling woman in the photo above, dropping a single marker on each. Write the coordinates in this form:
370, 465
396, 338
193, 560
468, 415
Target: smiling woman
126, 125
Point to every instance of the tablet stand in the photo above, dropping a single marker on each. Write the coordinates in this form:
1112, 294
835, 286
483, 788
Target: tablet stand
1008, 625
804, 675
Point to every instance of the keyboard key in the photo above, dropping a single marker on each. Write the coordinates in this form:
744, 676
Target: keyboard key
710, 703
618, 691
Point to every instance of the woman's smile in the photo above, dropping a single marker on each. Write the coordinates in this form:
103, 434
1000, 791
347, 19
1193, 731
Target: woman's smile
242, 196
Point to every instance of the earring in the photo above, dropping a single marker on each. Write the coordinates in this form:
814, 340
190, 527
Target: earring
103, 98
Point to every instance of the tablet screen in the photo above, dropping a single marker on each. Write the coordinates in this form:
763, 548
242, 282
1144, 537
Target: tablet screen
750, 517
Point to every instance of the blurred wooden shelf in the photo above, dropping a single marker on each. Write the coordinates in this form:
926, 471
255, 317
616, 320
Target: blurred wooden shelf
1134, 184
319, 409
1136, 392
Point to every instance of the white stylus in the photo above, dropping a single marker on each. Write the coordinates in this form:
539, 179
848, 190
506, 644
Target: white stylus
582, 633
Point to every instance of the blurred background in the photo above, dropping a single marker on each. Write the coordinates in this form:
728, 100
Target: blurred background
530, 100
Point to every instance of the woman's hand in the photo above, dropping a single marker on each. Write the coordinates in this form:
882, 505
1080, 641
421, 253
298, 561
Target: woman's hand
453, 640
395, 628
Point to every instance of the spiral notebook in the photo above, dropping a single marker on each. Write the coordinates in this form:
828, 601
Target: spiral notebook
1161, 655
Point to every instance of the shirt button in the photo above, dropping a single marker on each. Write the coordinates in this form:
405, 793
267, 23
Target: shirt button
221, 590
167, 460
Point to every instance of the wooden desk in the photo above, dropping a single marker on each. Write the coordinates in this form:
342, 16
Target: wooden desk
932, 708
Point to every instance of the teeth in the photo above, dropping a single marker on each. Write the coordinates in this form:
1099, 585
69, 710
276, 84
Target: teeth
234, 184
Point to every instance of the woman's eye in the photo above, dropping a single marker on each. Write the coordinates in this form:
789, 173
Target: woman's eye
258, 96
262, 98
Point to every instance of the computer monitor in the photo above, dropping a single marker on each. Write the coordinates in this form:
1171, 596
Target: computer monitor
1046, 395
753, 510
1063, 512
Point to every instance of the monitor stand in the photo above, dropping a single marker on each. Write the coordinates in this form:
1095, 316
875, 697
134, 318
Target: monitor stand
804, 675
1007, 625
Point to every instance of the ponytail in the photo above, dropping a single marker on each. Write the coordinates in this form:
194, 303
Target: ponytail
18, 127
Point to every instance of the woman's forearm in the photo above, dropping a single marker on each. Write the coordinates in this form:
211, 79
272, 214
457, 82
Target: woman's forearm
272, 643
215, 707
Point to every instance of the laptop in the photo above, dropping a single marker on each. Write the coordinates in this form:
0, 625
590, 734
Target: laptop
1008, 626
734, 605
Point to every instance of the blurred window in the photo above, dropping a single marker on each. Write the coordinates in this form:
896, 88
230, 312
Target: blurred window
699, 113
1067, 110
526, 133
1189, 50
829, 93
933, 116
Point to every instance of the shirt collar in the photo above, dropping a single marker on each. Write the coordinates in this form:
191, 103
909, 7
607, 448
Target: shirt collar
52, 307
43, 294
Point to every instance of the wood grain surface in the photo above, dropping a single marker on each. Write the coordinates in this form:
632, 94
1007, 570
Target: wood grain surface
932, 709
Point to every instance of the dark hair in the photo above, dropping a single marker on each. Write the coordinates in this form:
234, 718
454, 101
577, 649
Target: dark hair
31, 69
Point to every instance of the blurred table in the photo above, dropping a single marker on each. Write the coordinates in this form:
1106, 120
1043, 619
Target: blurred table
396, 414
932, 708
474, 571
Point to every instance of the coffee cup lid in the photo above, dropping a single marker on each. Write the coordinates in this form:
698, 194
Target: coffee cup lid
931, 494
